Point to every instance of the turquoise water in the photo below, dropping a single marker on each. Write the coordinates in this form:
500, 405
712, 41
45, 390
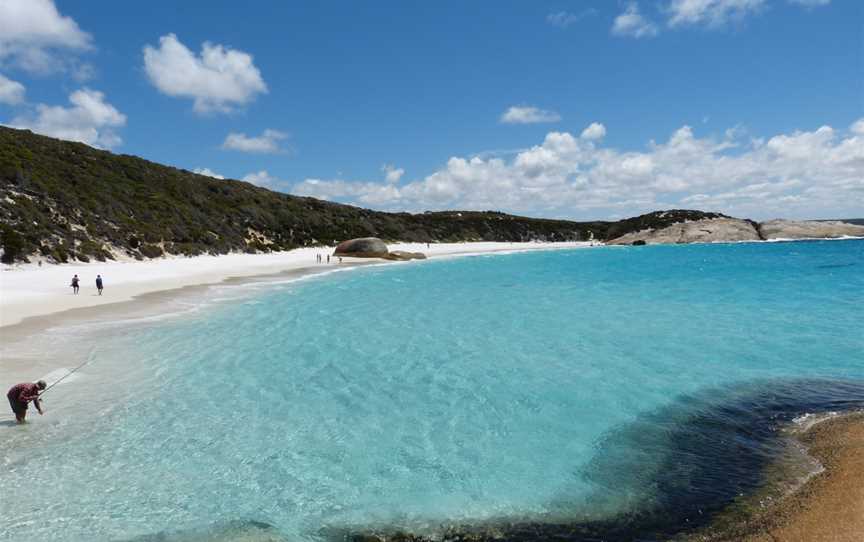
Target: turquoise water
547, 386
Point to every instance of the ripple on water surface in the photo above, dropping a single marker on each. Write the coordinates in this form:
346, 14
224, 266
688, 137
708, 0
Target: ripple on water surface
613, 390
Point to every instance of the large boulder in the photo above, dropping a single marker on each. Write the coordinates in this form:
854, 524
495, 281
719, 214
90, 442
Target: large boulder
365, 247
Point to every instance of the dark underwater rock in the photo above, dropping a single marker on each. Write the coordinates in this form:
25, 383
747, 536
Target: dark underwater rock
231, 531
686, 462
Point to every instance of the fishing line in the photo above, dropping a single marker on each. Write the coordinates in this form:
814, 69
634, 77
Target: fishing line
67, 375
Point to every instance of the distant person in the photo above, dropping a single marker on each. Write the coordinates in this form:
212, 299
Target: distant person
99, 283
74, 284
340, 259
40, 263
328, 258
21, 394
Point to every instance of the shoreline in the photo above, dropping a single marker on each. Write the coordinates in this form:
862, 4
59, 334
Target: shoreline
827, 506
19, 306
28, 291
34, 300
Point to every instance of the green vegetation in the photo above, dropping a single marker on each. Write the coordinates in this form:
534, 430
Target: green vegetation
68, 201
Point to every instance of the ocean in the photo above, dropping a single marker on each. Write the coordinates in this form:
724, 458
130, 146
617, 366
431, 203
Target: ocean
615, 392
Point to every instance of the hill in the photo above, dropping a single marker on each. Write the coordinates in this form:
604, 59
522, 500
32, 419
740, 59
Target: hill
68, 201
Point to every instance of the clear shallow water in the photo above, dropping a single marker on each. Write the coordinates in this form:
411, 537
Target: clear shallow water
588, 385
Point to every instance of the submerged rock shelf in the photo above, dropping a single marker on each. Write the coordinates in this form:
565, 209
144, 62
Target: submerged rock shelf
699, 455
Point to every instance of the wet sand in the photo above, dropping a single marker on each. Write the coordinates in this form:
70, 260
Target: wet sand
829, 507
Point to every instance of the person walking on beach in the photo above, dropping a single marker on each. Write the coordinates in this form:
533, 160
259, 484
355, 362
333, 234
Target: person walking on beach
74, 284
99, 283
21, 394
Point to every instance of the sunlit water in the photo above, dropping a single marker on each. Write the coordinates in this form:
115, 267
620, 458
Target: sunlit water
589, 385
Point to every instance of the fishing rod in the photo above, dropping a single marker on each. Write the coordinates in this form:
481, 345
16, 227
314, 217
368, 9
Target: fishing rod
67, 375
70, 373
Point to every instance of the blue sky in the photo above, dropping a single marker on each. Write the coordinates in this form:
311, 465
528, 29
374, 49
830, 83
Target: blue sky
749, 107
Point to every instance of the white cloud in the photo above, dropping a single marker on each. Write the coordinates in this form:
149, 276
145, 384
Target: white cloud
11, 92
712, 13
392, 174
800, 174
563, 19
261, 178
207, 172
90, 120
32, 31
528, 115
632, 24
266, 143
218, 80
368, 194
594, 131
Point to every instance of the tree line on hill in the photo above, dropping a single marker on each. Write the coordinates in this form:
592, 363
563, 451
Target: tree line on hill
65, 201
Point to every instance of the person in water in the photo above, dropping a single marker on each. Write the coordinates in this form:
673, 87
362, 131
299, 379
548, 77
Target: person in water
74, 284
21, 394
99, 283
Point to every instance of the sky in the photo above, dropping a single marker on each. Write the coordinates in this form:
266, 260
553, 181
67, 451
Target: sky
563, 109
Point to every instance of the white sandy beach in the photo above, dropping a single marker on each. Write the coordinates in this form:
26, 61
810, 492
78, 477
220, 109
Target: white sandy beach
29, 290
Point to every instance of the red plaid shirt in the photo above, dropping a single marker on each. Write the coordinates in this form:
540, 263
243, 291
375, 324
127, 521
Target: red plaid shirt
23, 393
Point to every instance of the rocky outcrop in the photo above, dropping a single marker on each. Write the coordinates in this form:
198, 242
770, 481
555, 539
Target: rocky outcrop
365, 247
811, 229
713, 230
401, 255
372, 247
657, 221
